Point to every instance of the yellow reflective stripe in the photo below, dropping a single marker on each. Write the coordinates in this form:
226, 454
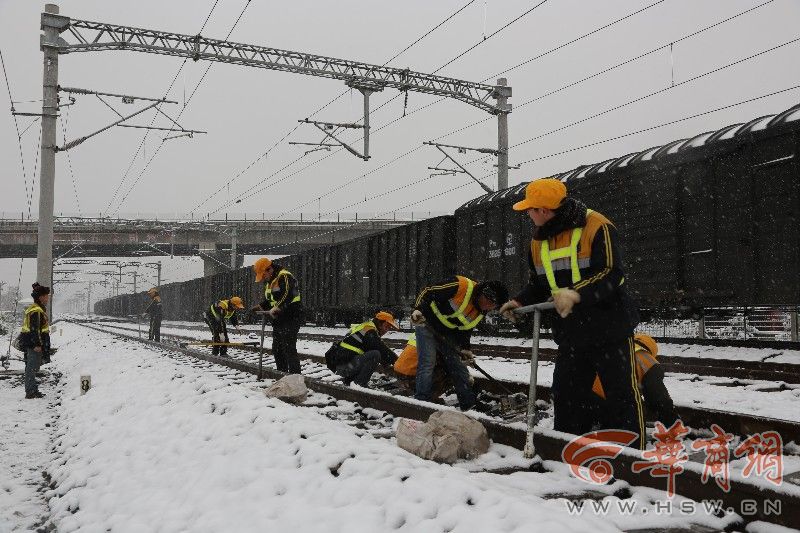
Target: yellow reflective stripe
350, 347
459, 313
412, 340
570, 251
274, 283
26, 319
213, 312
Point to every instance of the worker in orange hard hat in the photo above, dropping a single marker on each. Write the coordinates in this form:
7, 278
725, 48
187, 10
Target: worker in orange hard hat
575, 261
217, 316
282, 303
650, 378
357, 355
156, 312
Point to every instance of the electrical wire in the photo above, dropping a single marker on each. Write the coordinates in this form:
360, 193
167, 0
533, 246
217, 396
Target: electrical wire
296, 127
69, 164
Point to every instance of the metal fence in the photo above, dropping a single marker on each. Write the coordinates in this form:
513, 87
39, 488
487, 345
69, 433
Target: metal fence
764, 323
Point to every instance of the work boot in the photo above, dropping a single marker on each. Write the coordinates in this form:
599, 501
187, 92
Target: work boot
32, 395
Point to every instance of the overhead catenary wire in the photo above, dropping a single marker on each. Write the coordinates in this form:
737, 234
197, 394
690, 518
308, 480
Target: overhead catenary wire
346, 91
249, 192
182, 111
152, 120
661, 125
69, 164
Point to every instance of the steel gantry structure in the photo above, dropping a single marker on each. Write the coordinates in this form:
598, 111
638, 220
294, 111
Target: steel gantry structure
63, 35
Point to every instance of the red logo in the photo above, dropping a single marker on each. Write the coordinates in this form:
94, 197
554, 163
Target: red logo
718, 456
764, 456
592, 452
666, 459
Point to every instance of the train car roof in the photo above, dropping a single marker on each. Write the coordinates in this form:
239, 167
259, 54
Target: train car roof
680, 146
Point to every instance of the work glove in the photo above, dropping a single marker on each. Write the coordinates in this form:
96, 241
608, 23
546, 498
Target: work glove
565, 300
467, 357
274, 312
507, 310
417, 318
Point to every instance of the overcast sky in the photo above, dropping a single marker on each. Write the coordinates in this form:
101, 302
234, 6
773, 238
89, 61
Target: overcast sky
246, 111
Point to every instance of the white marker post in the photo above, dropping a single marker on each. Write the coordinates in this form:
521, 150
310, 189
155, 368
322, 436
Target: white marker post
536, 309
86, 384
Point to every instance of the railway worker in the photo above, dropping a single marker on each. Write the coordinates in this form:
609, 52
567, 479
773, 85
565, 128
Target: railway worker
575, 261
359, 352
35, 338
405, 368
156, 312
650, 378
444, 316
217, 317
282, 302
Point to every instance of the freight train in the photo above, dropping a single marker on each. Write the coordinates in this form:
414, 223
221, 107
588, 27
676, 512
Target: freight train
709, 221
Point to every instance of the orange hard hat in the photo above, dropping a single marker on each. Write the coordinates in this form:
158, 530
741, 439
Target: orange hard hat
152, 291
237, 302
647, 342
260, 268
388, 318
547, 193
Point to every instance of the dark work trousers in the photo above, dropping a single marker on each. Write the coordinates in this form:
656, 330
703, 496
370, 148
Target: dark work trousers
219, 333
284, 346
33, 361
657, 398
433, 349
360, 368
573, 376
154, 333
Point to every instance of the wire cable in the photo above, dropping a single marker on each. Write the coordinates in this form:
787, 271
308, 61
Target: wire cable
69, 164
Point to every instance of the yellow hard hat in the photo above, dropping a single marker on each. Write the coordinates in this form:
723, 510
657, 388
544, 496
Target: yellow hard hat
388, 318
547, 193
237, 302
260, 268
647, 342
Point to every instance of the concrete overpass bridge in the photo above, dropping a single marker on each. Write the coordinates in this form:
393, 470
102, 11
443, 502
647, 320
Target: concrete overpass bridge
221, 243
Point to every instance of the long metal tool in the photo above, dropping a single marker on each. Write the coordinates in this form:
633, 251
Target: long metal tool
261, 349
529, 451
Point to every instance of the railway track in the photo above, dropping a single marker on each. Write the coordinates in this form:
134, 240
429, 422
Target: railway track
696, 417
549, 444
725, 368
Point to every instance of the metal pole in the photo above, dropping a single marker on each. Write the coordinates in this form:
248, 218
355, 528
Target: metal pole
52, 26
502, 92
89, 299
261, 349
537, 309
366, 93
233, 249
158, 280
793, 324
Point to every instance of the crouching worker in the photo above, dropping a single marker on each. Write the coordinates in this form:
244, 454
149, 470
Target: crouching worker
357, 355
444, 317
216, 317
650, 378
405, 368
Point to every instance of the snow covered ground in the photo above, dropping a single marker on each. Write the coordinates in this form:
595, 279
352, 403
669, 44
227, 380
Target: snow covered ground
171, 444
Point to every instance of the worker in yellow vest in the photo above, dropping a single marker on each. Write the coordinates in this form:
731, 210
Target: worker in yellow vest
444, 317
217, 316
650, 378
575, 260
282, 302
35, 338
361, 350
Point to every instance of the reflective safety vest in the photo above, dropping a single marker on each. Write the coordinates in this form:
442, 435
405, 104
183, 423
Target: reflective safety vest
272, 287
644, 362
571, 252
406, 364
26, 320
464, 315
226, 314
354, 341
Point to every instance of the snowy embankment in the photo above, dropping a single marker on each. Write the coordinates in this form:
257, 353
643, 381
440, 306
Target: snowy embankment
163, 445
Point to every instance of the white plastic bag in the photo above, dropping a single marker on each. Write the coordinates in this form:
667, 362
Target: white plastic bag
290, 389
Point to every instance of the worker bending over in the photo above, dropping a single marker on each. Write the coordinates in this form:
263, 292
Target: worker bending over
282, 302
217, 317
650, 378
405, 368
575, 259
444, 316
357, 355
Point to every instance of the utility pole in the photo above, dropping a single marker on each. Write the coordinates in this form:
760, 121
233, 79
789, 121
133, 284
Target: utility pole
89, 299
502, 92
135, 274
158, 279
233, 249
52, 25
